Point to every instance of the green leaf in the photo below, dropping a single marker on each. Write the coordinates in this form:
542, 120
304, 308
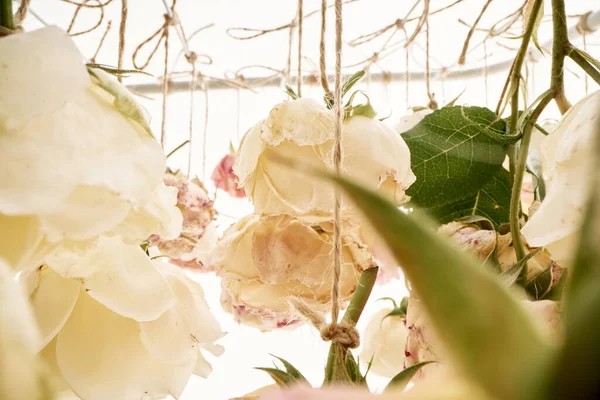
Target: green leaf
353, 369
390, 299
400, 381
281, 378
451, 155
290, 92
124, 101
466, 303
556, 292
176, 149
452, 102
510, 276
291, 370
351, 81
365, 110
116, 71
492, 201
540, 284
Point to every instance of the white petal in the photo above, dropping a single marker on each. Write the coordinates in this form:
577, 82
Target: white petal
184, 327
42, 69
53, 301
80, 140
304, 122
87, 212
122, 277
158, 216
22, 243
202, 367
48, 355
247, 155
101, 356
408, 122
20, 375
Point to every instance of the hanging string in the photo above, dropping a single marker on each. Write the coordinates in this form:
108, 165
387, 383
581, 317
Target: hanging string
432, 103
322, 52
76, 14
300, 17
122, 28
583, 29
93, 59
205, 132
337, 161
407, 76
288, 69
191, 58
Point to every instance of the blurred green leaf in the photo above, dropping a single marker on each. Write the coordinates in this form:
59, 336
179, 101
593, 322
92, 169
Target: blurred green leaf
281, 378
365, 110
400, 381
492, 201
536, 25
351, 81
466, 303
291, 370
510, 276
290, 92
451, 155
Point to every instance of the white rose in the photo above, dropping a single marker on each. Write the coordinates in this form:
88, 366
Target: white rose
264, 261
383, 342
409, 121
116, 325
72, 166
21, 374
304, 129
199, 234
567, 154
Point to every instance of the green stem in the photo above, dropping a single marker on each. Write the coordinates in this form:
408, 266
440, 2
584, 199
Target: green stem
586, 66
352, 315
515, 198
560, 44
6, 14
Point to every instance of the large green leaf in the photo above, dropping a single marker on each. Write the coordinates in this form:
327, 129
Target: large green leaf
492, 201
487, 333
453, 154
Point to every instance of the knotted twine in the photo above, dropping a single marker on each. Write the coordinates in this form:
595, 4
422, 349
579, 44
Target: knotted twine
18, 19
342, 332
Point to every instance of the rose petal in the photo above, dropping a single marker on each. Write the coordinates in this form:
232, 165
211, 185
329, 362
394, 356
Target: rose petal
53, 301
48, 355
184, 327
123, 278
22, 244
101, 356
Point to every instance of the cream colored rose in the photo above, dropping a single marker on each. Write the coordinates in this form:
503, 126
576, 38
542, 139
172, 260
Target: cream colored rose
304, 129
265, 260
72, 165
409, 121
481, 243
199, 234
383, 342
116, 325
22, 376
567, 154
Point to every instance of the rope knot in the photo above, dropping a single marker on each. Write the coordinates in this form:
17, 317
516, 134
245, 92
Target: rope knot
399, 24
343, 333
4, 31
191, 57
170, 21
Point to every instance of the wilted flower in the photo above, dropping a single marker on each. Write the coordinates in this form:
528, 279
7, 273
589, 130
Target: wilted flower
224, 178
117, 325
567, 154
383, 343
481, 243
265, 260
303, 129
199, 234
409, 121
73, 165
22, 376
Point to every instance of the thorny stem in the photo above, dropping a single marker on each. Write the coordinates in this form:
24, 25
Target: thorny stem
583, 64
515, 198
6, 14
352, 315
560, 44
